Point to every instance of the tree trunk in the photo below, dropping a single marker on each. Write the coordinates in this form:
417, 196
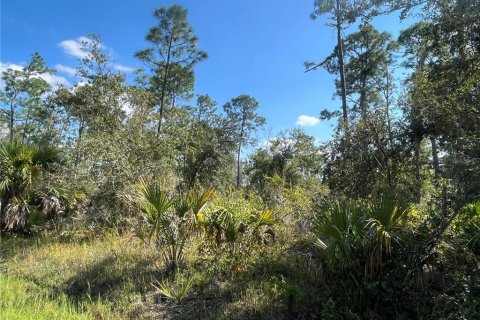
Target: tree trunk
77, 149
12, 117
363, 99
164, 85
238, 153
387, 110
25, 128
391, 157
343, 86
435, 161
174, 97
418, 181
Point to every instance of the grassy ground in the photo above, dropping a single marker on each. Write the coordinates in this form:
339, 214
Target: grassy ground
22, 299
113, 277
94, 278
107, 276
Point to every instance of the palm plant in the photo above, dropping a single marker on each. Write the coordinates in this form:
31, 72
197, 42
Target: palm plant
192, 205
339, 234
200, 201
261, 220
176, 290
384, 224
225, 217
468, 224
155, 204
17, 170
21, 167
169, 217
16, 213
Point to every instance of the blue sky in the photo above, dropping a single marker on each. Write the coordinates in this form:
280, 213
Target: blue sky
255, 47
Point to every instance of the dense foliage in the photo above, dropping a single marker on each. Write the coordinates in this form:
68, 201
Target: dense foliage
158, 210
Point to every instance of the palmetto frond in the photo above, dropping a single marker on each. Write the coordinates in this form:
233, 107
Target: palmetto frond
265, 217
176, 290
154, 203
21, 165
16, 213
153, 200
182, 204
45, 155
199, 201
338, 232
384, 221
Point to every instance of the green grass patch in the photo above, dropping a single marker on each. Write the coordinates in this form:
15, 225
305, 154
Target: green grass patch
22, 299
78, 277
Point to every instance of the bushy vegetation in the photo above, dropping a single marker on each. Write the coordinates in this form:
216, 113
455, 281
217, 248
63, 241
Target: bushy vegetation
124, 200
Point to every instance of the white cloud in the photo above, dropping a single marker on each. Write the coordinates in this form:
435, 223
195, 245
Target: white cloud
74, 47
78, 85
81, 84
5, 67
305, 120
280, 141
13, 66
52, 80
126, 104
119, 67
64, 69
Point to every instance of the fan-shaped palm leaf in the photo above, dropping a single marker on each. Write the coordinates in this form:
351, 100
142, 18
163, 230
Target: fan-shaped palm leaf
384, 225
337, 236
265, 217
154, 203
199, 201
182, 204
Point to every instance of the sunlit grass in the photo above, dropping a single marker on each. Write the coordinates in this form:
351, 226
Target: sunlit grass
74, 278
21, 299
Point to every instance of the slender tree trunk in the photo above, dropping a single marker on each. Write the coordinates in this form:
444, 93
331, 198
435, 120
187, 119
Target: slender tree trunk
343, 86
24, 135
391, 159
174, 97
418, 181
363, 99
12, 117
387, 103
164, 85
435, 161
50, 128
238, 153
77, 148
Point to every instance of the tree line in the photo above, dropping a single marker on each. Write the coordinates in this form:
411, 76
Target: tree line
386, 211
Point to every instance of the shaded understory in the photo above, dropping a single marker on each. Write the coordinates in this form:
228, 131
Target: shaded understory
113, 278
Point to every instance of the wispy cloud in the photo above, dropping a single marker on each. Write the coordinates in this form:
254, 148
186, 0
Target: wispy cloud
74, 47
126, 104
5, 67
305, 120
119, 67
13, 66
64, 69
279, 141
53, 80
